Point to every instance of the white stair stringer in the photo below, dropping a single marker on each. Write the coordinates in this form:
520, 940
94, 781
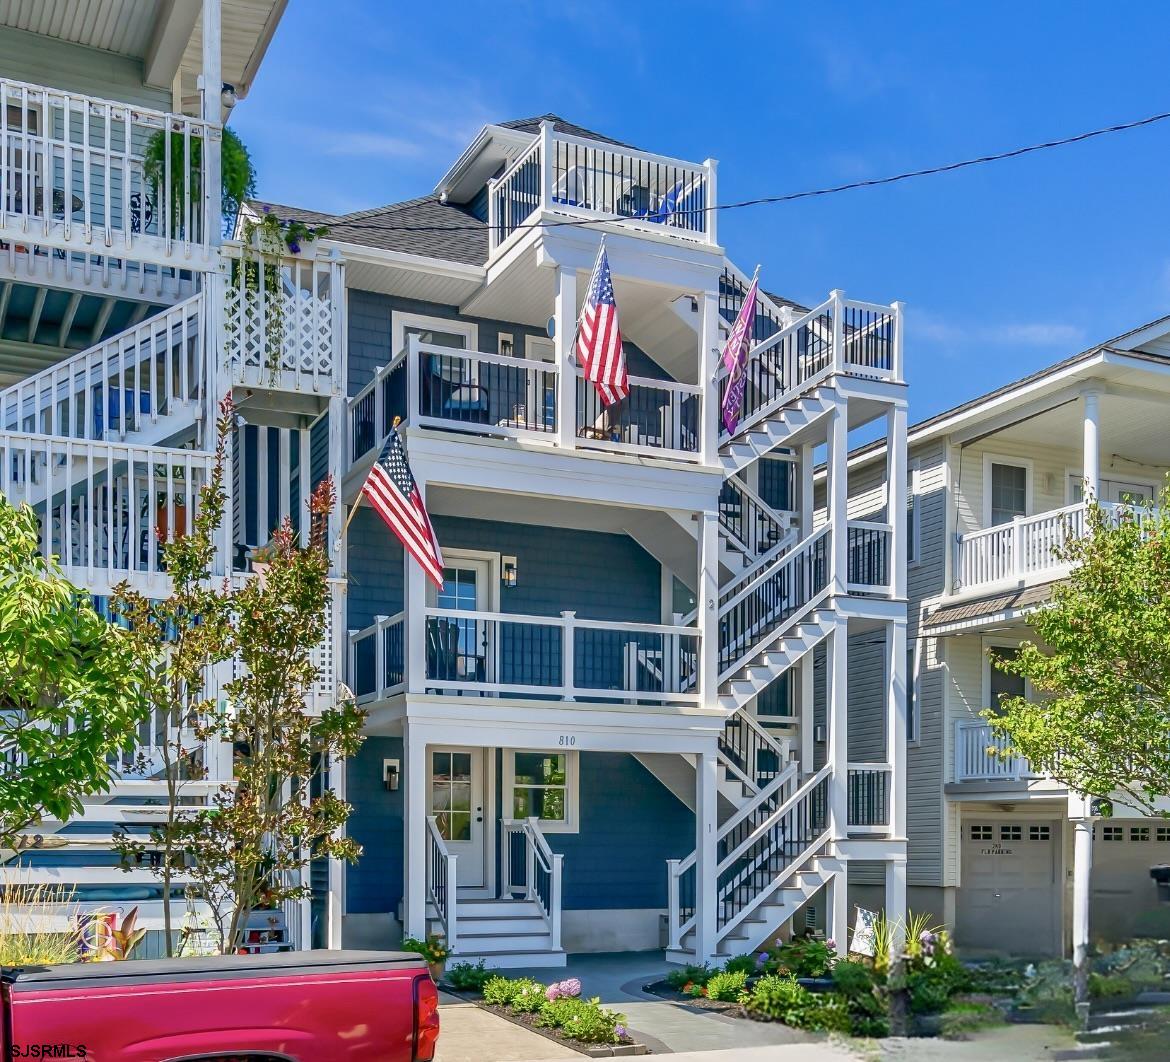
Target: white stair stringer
788, 425
143, 385
780, 653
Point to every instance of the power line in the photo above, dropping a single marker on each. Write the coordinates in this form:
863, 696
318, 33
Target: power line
790, 197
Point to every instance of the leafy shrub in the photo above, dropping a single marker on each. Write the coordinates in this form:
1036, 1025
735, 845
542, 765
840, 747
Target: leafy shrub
583, 1019
465, 977
679, 979
522, 994
778, 998
529, 997
499, 991
927, 994
806, 957
959, 1019
727, 986
854, 979
1106, 986
828, 1012
746, 964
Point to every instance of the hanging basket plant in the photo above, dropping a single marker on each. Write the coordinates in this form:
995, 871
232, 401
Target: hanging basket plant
237, 175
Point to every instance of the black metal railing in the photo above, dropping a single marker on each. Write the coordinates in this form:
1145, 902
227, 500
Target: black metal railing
634, 661
471, 388
748, 523
869, 796
770, 599
659, 415
869, 555
868, 337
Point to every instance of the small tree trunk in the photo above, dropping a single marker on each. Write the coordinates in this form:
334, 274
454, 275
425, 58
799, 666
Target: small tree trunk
899, 999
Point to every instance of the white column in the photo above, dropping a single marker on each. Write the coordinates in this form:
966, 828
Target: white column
336, 901
805, 486
708, 364
706, 831
414, 601
896, 724
284, 479
414, 757
338, 420
837, 700
807, 716
565, 324
1082, 877
707, 605
1092, 456
896, 476
838, 497
212, 86
895, 902
304, 483
837, 910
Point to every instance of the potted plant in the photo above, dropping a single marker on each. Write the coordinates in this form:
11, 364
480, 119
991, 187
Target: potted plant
433, 949
237, 174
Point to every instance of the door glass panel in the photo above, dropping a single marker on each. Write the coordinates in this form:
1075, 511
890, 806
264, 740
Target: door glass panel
451, 794
437, 337
458, 644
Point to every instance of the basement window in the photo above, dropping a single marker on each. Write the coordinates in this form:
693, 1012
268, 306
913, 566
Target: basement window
544, 785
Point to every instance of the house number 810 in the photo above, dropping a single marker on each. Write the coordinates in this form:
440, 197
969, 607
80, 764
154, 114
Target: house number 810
567, 740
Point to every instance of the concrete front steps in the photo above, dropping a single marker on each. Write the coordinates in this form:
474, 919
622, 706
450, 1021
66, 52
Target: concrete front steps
505, 933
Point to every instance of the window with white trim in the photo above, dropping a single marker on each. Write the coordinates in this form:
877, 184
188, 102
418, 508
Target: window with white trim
544, 785
1112, 833
980, 833
1139, 833
1162, 833
1039, 833
1009, 492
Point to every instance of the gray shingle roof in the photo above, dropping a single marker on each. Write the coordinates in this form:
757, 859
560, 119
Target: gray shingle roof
422, 226
532, 125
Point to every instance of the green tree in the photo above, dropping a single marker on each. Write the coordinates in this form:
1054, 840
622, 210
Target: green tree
252, 849
180, 639
70, 685
1101, 664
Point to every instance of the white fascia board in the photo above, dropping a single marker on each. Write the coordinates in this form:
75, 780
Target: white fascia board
513, 467
643, 254
564, 724
511, 137
356, 252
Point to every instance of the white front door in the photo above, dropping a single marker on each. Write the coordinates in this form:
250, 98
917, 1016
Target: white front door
455, 797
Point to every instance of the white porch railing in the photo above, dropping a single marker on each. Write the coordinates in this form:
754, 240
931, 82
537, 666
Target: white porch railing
658, 418
442, 883
72, 173
577, 178
976, 758
1026, 548
532, 868
282, 321
105, 509
119, 387
840, 336
377, 658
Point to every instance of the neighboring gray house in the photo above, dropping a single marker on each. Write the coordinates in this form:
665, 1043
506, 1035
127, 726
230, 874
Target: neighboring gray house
992, 486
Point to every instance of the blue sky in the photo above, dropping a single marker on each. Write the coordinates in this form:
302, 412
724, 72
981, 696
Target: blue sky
1004, 268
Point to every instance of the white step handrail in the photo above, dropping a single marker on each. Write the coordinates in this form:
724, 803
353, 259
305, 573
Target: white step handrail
539, 859
64, 393
442, 883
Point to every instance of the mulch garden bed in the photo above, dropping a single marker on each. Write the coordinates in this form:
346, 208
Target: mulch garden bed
663, 990
528, 1021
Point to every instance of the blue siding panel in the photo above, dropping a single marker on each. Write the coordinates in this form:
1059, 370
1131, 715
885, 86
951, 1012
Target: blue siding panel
374, 883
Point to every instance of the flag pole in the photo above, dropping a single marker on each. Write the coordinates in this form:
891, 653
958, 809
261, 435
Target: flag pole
354, 508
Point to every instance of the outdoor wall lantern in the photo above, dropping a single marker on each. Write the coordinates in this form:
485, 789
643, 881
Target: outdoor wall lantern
391, 773
511, 571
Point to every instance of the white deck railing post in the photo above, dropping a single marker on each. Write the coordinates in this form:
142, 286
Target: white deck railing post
673, 908
555, 900
1017, 558
897, 355
710, 226
837, 298
568, 651
413, 385
452, 919
547, 164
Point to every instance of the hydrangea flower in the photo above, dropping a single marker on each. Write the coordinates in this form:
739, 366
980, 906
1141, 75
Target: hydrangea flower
568, 988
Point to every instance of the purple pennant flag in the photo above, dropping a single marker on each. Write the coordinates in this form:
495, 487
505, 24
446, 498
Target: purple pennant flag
735, 359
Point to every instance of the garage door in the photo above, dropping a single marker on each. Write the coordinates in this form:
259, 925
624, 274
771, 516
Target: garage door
1125, 902
1009, 901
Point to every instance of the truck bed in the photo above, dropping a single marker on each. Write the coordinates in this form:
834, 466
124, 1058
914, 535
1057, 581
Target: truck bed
315, 1006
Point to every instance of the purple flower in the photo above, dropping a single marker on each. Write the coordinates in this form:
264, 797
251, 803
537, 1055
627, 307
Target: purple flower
295, 247
267, 209
761, 958
621, 1032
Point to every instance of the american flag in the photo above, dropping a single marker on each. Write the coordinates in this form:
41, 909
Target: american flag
599, 339
396, 498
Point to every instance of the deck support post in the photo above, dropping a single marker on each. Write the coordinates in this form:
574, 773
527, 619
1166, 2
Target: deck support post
414, 818
1092, 453
706, 831
837, 910
565, 332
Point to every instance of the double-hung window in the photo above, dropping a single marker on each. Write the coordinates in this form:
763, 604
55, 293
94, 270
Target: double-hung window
1009, 492
544, 785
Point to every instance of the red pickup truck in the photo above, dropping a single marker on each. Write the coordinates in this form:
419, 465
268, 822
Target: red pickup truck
315, 1006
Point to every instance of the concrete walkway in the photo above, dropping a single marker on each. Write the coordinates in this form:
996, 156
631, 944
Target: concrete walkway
469, 1034
662, 1024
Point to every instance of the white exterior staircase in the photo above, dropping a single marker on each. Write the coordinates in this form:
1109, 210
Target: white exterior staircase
772, 846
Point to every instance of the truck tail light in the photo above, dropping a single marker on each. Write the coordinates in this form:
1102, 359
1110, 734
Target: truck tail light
426, 1019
